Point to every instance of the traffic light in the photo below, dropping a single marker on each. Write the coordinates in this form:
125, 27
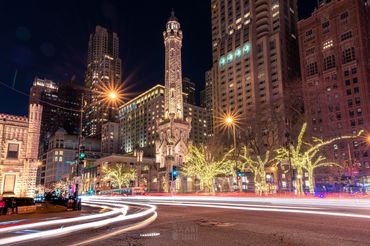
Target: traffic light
239, 174
170, 176
82, 153
174, 173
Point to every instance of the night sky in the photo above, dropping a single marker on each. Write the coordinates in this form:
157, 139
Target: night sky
49, 39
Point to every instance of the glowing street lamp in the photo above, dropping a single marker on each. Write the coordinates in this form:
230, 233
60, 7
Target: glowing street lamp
229, 120
113, 95
109, 94
368, 139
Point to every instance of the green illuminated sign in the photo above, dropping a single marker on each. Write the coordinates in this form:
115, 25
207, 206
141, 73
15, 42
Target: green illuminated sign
233, 55
238, 53
246, 48
229, 57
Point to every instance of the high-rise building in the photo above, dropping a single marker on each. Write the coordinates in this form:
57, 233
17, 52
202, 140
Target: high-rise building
103, 70
138, 121
255, 55
19, 144
109, 137
202, 97
188, 87
335, 54
198, 115
61, 106
45, 92
61, 109
207, 102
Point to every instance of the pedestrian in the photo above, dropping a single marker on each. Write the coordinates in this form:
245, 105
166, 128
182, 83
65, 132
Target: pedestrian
2, 206
14, 206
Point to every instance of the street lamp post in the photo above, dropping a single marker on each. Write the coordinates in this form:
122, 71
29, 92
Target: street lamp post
111, 96
229, 121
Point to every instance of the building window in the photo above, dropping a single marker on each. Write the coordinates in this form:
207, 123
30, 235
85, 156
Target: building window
344, 17
325, 26
346, 36
329, 62
13, 150
9, 183
328, 44
310, 51
312, 69
348, 55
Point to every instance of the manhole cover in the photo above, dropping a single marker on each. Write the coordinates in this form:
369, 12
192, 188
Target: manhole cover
213, 223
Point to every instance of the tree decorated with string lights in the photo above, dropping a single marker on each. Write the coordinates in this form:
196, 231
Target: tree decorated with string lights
200, 163
120, 175
257, 165
306, 156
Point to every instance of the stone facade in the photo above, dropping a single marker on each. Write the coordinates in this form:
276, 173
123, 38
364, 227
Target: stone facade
334, 51
19, 144
173, 130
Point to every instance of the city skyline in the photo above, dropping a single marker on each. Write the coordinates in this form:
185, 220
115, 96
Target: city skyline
188, 122
57, 52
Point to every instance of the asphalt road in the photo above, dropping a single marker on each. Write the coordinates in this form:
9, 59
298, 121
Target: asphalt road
231, 223
210, 226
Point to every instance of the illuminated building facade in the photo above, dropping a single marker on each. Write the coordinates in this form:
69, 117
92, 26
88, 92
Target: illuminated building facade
188, 88
103, 68
61, 105
255, 54
173, 130
45, 92
207, 101
335, 54
19, 145
109, 137
137, 121
62, 154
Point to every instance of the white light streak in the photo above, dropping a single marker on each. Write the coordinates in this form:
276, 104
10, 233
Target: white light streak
90, 225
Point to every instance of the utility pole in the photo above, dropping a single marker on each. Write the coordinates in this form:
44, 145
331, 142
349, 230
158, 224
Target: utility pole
79, 151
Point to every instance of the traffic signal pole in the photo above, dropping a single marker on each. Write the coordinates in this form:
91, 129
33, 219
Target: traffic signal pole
79, 151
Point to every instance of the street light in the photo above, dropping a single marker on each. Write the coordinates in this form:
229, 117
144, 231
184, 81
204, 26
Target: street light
368, 139
110, 95
230, 121
113, 95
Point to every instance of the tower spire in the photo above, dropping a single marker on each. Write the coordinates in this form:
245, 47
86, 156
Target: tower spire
173, 17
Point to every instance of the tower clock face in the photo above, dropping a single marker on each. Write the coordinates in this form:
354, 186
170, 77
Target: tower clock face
173, 26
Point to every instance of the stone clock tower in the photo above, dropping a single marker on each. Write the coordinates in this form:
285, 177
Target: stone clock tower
173, 130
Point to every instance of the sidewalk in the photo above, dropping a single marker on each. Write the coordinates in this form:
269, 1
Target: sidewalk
45, 212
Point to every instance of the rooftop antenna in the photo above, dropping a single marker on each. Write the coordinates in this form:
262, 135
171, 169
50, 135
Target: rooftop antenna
15, 77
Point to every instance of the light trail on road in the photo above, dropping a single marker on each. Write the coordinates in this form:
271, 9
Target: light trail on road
120, 217
144, 213
256, 208
340, 203
308, 206
115, 211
